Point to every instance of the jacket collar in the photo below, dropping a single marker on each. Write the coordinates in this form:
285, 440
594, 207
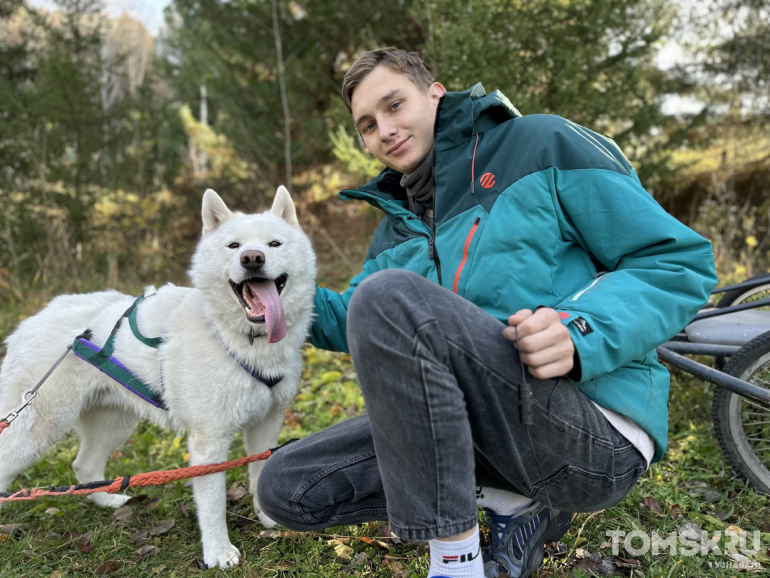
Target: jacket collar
460, 116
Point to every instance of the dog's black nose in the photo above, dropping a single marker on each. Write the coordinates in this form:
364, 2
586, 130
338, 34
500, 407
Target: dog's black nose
252, 260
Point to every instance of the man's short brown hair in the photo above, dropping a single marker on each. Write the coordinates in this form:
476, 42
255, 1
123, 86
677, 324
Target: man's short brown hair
407, 63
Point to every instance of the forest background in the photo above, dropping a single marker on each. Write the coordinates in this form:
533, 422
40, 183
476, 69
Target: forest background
109, 135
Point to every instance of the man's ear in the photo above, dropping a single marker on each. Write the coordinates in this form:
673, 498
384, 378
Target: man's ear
214, 211
283, 207
436, 91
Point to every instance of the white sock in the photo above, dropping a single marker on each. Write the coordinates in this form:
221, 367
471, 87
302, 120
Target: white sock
501, 502
460, 559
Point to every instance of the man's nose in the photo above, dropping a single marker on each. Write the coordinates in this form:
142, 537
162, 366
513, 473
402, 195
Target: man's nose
387, 130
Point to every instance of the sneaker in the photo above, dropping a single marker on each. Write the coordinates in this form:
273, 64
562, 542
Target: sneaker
516, 543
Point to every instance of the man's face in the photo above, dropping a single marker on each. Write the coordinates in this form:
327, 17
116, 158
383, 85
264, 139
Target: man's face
395, 118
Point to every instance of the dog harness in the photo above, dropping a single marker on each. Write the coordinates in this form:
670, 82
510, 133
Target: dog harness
103, 360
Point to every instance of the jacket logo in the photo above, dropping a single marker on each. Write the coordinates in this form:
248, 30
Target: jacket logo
583, 326
487, 180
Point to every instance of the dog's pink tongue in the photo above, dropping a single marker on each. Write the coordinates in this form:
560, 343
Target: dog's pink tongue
275, 320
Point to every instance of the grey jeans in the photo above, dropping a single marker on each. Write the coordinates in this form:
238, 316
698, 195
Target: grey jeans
441, 385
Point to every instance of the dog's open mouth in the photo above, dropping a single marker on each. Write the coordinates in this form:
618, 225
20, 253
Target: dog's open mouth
260, 298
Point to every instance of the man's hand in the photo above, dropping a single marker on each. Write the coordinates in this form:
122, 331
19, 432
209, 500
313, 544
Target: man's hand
545, 345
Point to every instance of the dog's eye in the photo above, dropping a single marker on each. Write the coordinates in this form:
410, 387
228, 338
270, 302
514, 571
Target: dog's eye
275, 244
234, 245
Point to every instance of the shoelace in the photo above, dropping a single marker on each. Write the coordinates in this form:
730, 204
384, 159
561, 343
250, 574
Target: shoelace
499, 531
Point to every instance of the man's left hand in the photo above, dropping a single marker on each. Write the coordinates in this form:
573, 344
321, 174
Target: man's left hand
544, 344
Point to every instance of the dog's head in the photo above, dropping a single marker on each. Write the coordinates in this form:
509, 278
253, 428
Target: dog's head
256, 271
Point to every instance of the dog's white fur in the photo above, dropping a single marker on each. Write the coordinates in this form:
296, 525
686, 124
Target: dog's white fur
206, 391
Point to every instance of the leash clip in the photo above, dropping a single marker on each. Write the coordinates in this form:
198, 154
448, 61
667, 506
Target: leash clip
24, 403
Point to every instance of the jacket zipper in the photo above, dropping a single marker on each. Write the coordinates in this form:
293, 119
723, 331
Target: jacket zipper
465, 253
432, 250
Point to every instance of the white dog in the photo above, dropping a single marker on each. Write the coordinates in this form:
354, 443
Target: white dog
242, 327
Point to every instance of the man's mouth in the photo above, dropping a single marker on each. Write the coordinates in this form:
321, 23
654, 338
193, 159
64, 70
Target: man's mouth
260, 299
398, 147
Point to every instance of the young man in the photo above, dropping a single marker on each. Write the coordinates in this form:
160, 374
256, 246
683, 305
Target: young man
507, 241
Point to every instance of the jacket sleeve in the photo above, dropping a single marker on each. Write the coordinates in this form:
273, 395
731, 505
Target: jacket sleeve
329, 329
659, 272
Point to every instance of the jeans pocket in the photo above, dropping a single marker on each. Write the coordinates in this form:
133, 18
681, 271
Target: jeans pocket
574, 489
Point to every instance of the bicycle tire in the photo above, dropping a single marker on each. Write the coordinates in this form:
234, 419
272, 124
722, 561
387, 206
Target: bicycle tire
733, 415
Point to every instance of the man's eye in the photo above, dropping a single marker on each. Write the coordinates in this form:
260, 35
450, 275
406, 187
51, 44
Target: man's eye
234, 245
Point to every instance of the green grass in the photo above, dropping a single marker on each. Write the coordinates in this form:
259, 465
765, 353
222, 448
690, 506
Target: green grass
329, 394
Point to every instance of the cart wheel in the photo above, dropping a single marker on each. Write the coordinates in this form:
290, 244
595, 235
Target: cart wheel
738, 296
743, 426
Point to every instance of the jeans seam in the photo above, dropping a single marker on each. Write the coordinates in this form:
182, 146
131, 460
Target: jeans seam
325, 472
433, 435
607, 444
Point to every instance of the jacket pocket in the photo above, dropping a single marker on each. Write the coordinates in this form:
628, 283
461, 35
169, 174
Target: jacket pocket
465, 254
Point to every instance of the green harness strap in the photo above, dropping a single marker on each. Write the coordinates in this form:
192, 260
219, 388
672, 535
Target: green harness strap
102, 358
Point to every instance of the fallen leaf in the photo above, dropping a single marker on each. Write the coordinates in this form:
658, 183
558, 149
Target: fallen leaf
123, 514
605, 545
236, 493
733, 531
108, 567
150, 506
141, 537
84, 543
159, 569
691, 531
55, 574
28, 553
359, 559
580, 554
396, 566
624, 562
371, 542
4, 537
708, 495
343, 551
52, 511
163, 527
337, 541
676, 511
185, 509
147, 550
270, 533
742, 562
652, 504
11, 529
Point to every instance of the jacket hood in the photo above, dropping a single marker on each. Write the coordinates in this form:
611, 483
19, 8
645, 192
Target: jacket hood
460, 116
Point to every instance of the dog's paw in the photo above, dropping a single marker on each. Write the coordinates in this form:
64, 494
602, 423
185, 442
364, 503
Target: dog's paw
109, 500
266, 522
222, 557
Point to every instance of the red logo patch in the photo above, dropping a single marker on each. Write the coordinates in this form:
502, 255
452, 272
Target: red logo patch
564, 315
487, 180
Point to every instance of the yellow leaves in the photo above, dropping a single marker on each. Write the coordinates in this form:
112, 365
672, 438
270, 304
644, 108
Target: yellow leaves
176, 442
751, 241
210, 155
340, 547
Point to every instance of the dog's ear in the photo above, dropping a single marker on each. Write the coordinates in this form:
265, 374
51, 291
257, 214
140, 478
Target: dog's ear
283, 207
214, 212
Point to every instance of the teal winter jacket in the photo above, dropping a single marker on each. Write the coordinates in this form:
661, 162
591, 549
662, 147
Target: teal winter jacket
530, 211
